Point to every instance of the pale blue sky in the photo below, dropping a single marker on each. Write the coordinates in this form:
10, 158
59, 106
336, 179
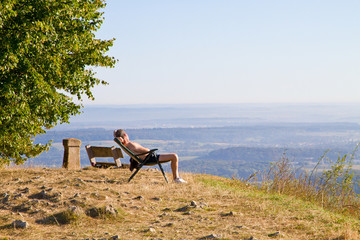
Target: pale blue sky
231, 51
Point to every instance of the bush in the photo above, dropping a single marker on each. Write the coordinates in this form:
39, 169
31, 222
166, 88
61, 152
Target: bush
332, 188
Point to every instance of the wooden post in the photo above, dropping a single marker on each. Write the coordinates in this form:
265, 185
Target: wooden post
71, 159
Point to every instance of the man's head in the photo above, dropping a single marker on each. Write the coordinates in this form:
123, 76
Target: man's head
119, 133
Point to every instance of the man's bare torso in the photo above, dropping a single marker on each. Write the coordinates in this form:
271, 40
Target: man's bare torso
136, 148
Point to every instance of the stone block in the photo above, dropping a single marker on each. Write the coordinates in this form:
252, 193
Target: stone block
71, 159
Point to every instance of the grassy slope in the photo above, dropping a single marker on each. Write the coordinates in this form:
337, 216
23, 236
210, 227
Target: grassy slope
254, 213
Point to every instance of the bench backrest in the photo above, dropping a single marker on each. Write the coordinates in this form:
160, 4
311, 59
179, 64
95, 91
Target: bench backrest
105, 151
95, 151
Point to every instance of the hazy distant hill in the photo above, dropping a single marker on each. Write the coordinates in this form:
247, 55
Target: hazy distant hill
267, 154
223, 151
241, 162
245, 136
282, 135
210, 115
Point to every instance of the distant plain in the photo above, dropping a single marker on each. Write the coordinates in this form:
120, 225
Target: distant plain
230, 140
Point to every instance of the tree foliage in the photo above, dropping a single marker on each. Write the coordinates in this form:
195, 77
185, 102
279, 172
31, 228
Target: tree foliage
46, 50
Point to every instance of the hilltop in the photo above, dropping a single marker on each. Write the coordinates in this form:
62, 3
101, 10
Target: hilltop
99, 204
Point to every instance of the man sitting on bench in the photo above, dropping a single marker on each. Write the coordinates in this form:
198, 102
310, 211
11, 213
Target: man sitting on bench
136, 148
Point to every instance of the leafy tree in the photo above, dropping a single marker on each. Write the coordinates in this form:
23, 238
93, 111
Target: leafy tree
46, 50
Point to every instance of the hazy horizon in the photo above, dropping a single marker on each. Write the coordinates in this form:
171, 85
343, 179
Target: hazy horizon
210, 115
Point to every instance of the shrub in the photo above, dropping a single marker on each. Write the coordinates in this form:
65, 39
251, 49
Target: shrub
332, 188
65, 217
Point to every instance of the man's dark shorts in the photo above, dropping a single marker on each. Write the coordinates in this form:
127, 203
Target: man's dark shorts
153, 158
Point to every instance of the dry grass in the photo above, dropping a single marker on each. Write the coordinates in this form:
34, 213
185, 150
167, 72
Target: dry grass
227, 208
333, 188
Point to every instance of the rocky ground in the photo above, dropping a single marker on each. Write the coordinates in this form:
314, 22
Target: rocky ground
97, 204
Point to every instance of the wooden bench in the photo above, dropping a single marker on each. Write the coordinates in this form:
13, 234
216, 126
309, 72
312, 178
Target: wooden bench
94, 151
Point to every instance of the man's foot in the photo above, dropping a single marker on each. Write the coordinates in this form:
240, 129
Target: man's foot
179, 180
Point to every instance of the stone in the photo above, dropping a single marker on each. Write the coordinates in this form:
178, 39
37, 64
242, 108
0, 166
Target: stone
97, 212
250, 238
76, 202
20, 224
76, 210
228, 214
164, 214
24, 207
93, 212
156, 199
5, 197
71, 158
80, 180
169, 225
202, 205
139, 198
110, 210
98, 196
275, 234
183, 209
25, 190
211, 236
41, 195
151, 229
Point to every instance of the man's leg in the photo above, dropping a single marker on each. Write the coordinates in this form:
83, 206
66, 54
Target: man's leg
173, 157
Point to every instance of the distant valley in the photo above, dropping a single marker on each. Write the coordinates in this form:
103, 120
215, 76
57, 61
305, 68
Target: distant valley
224, 140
